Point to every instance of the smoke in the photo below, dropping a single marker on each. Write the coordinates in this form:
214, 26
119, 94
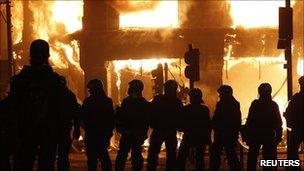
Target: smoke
133, 6
204, 14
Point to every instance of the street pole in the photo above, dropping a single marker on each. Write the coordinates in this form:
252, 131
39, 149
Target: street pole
191, 82
288, 56
9, 39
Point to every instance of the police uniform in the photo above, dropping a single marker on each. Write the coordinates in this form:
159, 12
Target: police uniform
35, 91
226, 125
98, 116
132, 124
264, 127
294, 115
196, 128
165, 120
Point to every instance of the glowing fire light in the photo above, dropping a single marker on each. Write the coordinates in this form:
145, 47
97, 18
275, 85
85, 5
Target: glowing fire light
255, 61
59, 13
68, 13
16, 21
164, 15
256, 70
52, 21
145, 65
300, 67
254, 14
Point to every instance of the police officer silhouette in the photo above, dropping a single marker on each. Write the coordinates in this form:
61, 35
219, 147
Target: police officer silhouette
132, 124
69, 119
98, 116
197, 129
34, 92
263, 128
294, 115
165, 120
226, 125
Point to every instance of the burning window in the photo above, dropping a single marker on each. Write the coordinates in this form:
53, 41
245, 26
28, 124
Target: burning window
254, 14
126, 70
163, 14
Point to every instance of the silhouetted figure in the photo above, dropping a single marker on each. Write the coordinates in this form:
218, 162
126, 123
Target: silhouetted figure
132, 124
226, 125
69, 118
263, 127
197, 129
98, 115
35, 92
165, 120
295, 120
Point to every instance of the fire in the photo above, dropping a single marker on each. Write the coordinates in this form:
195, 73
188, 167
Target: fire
68, 13
53, 21
254, 14
230, 62
137, 66
300, 67
164, 15
146, 65
16, 21
256, 70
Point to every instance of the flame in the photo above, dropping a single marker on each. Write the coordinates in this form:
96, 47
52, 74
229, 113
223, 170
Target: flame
164, 15
146, 65
68, 13
57, 19
253, 14
17, 23
53, 21
300, 67
254, 61
138, 66
71, 51
256, 70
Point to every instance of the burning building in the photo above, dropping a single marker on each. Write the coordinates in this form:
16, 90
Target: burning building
117, 41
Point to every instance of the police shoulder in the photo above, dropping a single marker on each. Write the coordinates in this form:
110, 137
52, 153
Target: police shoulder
297, 96
109, 100
255, 102
158, 97
204, 107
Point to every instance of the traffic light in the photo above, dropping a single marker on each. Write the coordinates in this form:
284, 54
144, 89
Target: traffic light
158, 78
285, 23
192, 70
285, 26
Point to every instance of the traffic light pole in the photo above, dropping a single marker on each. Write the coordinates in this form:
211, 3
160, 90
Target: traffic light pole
288, 56
191, 84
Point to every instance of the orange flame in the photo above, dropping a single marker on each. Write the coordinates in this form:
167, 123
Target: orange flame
254, 14
300, 67
164, 15
145, 65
